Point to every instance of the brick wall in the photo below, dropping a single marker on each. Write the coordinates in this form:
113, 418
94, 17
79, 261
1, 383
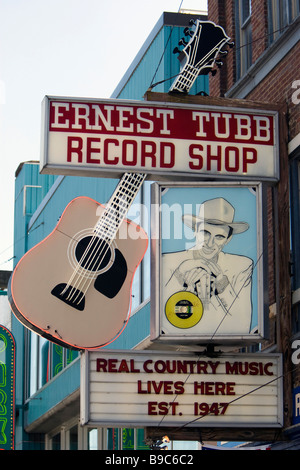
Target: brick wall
277, 86
222, 13
259, 28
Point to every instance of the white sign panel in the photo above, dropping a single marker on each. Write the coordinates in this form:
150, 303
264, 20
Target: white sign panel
110, 137
208, 262
153, 388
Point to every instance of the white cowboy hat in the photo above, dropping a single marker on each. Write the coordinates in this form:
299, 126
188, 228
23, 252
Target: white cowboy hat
216, 212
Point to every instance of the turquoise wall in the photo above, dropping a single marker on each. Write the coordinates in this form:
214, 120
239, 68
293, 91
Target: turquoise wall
157, 64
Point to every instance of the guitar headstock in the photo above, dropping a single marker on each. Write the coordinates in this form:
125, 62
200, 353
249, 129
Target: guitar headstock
200, 54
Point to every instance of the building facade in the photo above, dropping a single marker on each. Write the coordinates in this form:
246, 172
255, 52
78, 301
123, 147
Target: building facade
48, 375
264, 66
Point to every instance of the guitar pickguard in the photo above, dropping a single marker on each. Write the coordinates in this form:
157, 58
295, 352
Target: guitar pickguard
73, 297
110, 282
107, 283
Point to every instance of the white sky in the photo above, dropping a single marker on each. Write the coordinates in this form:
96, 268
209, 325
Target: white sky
66, 48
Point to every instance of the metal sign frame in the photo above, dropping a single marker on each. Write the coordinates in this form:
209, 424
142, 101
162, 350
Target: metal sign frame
203, 324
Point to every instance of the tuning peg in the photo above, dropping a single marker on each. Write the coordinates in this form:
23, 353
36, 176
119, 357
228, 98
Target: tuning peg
223, 53
176, 50
182, 42
219, 63
230, 44
187, 32
192, 22
213, 72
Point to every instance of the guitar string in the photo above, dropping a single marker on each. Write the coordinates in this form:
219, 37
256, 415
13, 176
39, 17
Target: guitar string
194, 71
181, 80
126, 204
80, 262
97, 231
96, 257
92, 254
92, 258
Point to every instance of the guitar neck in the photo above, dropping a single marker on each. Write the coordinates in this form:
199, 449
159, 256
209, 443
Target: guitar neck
186, 79
119, 205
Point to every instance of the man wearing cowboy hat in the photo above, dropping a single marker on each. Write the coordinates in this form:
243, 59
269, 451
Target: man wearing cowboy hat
222, 281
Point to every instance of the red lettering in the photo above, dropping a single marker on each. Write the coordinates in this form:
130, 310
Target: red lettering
126, 144
247, 160
152, 408
235, 153
266, 368
132, 367
251, 368
149, 361
90, 150
163, 147
168, 388
157, 387
123, 366
101, 365
217, 157
214, 388
77, 149
197, 165
148, 151
230, 388
161, 408
140, 387
112, 365
106, 147
179, 388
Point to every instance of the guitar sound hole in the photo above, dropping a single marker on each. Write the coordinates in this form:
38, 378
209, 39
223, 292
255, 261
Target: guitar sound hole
93, 253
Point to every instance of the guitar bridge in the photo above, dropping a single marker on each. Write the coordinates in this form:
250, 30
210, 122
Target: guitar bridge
70, 295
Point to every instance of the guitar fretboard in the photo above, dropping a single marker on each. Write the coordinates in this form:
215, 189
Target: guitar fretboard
185, 79
118, 205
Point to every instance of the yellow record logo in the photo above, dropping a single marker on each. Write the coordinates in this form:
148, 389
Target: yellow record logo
184, 309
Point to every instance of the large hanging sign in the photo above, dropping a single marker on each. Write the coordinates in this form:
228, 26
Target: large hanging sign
7, 389
209, 262
154, 388
109, 137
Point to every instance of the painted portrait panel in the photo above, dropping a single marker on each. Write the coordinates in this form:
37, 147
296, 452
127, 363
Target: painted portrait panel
210, 261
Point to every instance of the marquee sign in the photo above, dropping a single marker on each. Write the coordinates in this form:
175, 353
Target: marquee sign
7, 389
155, 388
209, 262
109, 137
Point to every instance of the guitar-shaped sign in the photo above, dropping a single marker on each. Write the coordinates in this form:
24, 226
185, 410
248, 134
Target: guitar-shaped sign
199, 55
74, 288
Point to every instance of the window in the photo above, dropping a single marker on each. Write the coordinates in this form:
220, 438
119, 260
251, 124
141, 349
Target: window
46, 360
146, 200
295, 245
280, 14
243, 36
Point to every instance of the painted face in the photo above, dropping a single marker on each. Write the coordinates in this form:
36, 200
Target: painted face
210, 239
